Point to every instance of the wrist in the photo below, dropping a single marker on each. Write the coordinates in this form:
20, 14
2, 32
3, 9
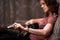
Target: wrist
26, 29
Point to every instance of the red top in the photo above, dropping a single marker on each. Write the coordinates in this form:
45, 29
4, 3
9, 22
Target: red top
51, 19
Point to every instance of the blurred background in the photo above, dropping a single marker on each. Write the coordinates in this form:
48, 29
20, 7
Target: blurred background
19, 11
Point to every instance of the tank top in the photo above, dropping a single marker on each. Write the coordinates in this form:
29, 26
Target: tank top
51, 19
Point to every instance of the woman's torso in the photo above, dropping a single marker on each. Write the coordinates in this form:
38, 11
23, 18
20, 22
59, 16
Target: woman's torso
42, 23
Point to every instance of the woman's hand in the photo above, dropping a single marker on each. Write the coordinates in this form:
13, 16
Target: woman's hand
17, 25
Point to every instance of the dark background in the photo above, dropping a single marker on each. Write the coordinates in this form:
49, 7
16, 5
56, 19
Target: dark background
19, 11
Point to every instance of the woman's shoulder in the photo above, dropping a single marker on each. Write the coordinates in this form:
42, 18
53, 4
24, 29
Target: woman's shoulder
52, 19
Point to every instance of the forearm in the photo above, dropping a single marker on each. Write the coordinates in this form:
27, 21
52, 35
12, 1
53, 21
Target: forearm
35, 31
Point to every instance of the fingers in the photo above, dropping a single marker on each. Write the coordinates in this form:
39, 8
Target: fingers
16, 25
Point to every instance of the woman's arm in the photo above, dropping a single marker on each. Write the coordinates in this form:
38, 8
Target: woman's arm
45, 31
33, 21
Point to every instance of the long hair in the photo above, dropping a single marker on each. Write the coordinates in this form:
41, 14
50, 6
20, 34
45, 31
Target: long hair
53, 6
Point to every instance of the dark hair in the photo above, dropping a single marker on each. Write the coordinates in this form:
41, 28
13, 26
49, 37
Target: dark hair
53, 5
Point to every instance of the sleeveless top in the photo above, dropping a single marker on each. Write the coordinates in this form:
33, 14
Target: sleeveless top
51, 19
56, 31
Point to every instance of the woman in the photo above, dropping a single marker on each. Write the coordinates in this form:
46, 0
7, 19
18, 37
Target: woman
46, 24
